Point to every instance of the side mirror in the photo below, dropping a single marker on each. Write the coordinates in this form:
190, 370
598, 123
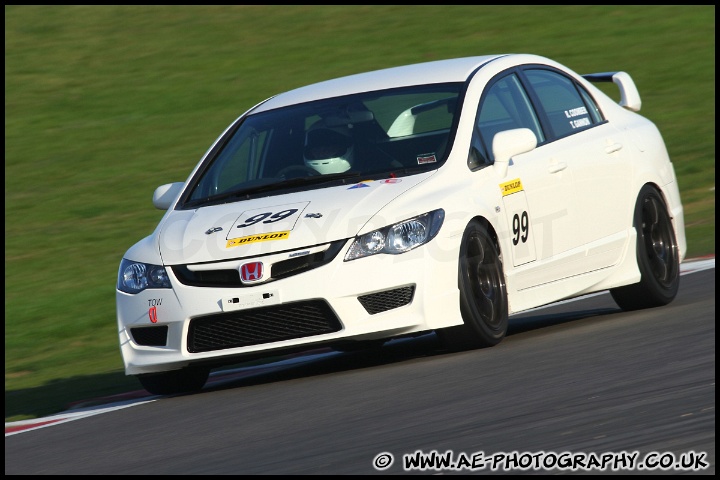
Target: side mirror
509, 143
165, 195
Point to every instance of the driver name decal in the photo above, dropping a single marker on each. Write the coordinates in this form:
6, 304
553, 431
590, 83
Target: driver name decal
574, 112
513, 186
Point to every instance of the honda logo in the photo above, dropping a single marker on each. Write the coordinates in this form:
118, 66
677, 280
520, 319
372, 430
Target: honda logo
251, 272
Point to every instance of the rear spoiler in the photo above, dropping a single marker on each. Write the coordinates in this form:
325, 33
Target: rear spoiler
629, 95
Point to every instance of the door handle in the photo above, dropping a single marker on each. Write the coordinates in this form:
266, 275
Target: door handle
613, 148
557, 167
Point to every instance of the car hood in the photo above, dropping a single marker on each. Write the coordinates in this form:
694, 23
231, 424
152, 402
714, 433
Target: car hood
276, 223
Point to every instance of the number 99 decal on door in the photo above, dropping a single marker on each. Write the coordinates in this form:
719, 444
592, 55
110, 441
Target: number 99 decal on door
516, 209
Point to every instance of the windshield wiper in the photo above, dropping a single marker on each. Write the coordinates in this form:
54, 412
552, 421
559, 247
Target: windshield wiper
273, 185
293, 182
403, 171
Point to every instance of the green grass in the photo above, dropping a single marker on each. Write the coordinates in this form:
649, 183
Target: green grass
103, 104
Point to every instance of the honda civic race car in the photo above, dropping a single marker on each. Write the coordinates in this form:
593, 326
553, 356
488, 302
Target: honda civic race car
441, 196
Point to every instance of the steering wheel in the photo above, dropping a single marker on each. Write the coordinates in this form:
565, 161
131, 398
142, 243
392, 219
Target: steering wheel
296, 171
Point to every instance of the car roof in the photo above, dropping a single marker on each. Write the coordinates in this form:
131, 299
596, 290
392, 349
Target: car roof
439, 71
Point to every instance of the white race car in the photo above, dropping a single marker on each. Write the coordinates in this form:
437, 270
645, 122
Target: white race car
440, 196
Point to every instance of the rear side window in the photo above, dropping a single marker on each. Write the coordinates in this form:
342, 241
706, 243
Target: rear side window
568, 108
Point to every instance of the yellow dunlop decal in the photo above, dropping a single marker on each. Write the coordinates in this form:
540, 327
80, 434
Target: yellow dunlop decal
513, 186
265, 237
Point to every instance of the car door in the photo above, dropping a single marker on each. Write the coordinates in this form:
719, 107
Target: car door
593, 152
537, 194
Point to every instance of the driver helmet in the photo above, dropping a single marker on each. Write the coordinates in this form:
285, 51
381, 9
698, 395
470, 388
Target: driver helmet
328, 150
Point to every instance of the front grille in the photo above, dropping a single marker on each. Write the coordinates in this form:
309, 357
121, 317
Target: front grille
207, 278
150, 336
256, 326
387, 300
281, 269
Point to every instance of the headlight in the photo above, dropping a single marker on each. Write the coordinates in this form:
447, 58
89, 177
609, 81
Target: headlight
134, 277
398, 238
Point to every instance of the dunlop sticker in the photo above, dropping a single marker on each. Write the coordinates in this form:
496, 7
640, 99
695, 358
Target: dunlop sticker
513, 186
265, 237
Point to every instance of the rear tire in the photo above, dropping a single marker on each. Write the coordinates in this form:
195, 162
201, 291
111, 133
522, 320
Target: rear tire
483, 294
185, 380
657, 256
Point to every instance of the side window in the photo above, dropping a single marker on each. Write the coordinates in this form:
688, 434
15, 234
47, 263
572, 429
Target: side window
594, 110
567, 109
240, 160
505, 106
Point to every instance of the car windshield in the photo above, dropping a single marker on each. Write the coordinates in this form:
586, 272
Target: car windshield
327, 142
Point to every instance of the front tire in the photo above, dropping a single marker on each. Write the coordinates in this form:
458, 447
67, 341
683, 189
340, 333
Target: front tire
657, 256
483, 294
185, 380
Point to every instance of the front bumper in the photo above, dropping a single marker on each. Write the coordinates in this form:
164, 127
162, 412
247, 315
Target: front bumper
380, 296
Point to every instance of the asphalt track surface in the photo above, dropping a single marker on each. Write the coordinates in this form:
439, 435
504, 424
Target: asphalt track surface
577, 380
